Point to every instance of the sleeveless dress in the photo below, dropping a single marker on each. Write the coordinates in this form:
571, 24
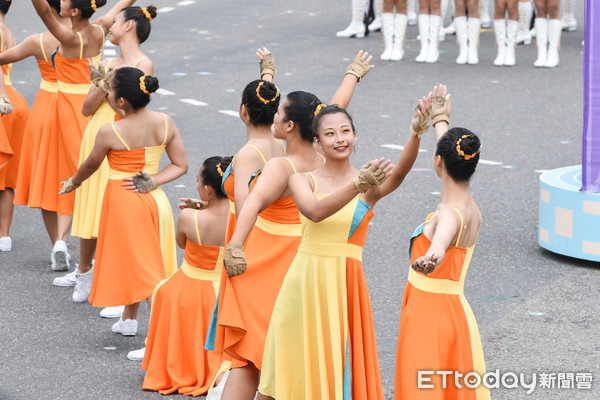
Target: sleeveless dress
175, 358
246, 300
136, 238
321, 340
38, 175
73, 86
14, 126
438, 330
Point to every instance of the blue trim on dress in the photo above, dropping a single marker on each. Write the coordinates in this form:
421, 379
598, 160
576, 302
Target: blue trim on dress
52, 57
347, 374
211, 335
416, 233
359, 213
254, 176
224, 178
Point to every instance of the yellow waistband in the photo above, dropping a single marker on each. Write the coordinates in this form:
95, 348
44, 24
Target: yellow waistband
73, 88
331, 249
442, 286
275, 228
7, 80
202, 274
49, 86
114, 174
232, 207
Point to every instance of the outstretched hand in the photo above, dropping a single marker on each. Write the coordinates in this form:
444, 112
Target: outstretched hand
373, 173
420, 120
360, 65
189, 202
426, 265
267, 62
441, 108
6, 106
68, 186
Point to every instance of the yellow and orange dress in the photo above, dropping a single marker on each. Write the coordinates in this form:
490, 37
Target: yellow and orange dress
321, 340
175, 358
136, 238
438, 331
246, 300
14, 127
38, 175
73, 86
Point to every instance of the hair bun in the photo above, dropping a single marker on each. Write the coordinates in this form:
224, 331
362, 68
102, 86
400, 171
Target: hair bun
151, 83
100, 3
470, 144
152, 11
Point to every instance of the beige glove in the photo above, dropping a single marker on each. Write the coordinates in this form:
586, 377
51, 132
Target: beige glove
420, 123
144, 182
101, 76
234, 259
196, 204
425, 265
369, 175
68, 186
440, 109
267, 65
358, 67
5, 105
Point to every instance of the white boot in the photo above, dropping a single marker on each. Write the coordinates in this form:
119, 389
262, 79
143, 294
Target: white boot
462, 37
357, 26
377, 23
554, 31
473, 28
569, 23
411, 12
484, 12
500, 31
541, 31
424, 37
433, 53
525, 13
400, 22
450, 29
511, 42
388, 36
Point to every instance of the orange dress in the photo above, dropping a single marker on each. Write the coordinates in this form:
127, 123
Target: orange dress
38, 175
175, 358
246, 300
136, 238
438, 331
14, 126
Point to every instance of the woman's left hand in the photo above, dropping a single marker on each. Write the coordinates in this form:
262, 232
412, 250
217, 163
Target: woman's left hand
426, 264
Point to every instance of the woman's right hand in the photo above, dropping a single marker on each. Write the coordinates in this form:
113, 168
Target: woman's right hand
190, 202
420, 120
425, 264
373, 173
267, 62
234, 259
441, 108
360, 65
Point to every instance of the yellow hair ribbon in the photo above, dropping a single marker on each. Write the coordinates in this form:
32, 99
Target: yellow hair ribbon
143, 84
263, 99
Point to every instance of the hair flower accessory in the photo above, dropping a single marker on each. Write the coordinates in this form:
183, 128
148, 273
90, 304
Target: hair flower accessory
265, 101
461, 152
319, 108
219, 170
147, 14
143, 84
94, 6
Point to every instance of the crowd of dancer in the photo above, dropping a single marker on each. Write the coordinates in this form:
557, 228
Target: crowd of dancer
514, 22
271, 299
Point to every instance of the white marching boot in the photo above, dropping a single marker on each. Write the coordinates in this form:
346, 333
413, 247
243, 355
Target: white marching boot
500, 31
511, 42
541, 33
424, 37
462, 37
568, 21
400, 22
473, 27
484, 12
388, 36
411, 12
525, 13
554, 31
377, 23
357, 26
433, 53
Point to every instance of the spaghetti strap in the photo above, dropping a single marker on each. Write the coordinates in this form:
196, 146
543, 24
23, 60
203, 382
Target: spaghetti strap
258, 151
138, 61
103, 37
197, 230
42, 46
80, 44
166, 126
292, 164
315, 181
119, 136
462, 224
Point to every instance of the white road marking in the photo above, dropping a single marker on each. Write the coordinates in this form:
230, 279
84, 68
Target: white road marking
185, 3
231, 113
488, 162
193, 102
165, 92
165, 9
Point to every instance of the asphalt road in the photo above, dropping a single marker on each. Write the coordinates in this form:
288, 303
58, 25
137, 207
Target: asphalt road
537, 312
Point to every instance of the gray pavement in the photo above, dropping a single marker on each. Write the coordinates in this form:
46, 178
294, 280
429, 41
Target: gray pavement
537, 312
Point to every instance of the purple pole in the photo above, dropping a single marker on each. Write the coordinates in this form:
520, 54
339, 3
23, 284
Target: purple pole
591, 101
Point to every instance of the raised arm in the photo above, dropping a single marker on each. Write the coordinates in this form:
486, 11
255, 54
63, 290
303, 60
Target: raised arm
176, 152
267, 64
441, 108
447, 227
107, 20
26, 48
64, 34
355, 71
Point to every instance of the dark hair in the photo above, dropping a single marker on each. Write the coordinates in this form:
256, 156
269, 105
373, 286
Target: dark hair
142, 22
301, 110
326, 110
458, 166
85, 6
261, 113
126, 84
4, 6
211, 175
55, 4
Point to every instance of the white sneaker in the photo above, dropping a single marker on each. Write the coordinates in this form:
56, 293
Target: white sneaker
5, 243
60, 256
136, 355
112, 312
66, 280
125, 328
83, 286
216, 392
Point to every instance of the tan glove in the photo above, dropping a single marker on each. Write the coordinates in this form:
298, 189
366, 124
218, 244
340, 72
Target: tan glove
369, 175
267, 65
101, 76
234, 259
68, 186
425, 265
144, 182
440, 109
358, 67
6, 106
196, 204
420, 123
